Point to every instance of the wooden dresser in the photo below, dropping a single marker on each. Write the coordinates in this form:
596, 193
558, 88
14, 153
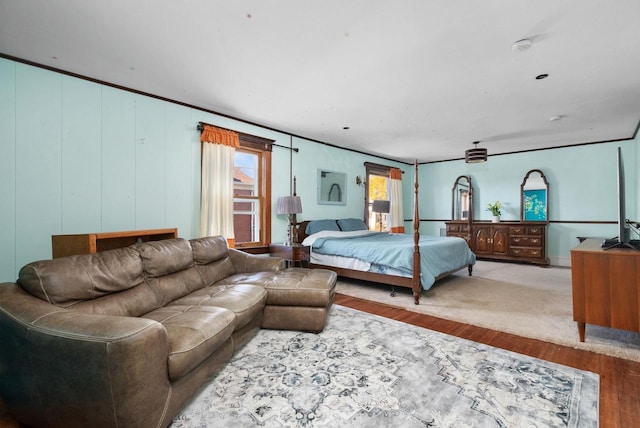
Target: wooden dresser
87, 243
606, 286
513, 240
461, 229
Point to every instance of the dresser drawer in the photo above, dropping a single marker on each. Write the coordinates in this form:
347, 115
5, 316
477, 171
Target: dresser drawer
526, 241
517, 230
534, 230
526, 230
525, 252
458, 228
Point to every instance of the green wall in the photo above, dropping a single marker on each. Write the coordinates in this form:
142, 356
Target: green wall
79, 157
582, 190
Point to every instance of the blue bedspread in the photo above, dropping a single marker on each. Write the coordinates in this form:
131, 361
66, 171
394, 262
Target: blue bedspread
438, 255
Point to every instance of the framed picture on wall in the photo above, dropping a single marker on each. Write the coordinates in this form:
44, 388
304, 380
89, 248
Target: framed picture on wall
535, 205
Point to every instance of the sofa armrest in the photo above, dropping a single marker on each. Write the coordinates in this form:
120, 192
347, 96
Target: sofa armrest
62, 367
246, 263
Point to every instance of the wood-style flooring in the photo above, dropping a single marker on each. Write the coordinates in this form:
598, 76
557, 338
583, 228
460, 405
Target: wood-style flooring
619, 379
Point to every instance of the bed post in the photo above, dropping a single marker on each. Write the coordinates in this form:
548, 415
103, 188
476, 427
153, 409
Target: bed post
415, 284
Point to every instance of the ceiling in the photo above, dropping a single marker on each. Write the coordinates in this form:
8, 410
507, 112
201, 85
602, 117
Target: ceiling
419, 79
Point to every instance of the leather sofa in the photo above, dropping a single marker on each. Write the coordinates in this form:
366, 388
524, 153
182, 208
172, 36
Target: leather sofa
124, 338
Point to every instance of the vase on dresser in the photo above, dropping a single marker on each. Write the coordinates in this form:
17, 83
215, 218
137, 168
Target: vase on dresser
495, 219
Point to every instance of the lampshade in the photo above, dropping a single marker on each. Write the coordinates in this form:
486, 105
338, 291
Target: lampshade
289, 205
380, 206
475, 155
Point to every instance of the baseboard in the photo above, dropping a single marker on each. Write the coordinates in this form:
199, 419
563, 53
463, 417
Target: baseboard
560, 261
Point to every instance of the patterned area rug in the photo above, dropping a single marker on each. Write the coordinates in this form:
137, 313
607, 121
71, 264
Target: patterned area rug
365, 370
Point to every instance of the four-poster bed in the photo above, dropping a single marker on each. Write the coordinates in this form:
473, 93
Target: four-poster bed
393, 259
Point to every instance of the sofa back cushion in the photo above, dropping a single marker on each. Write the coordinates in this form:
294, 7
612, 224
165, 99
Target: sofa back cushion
160, 258
69, 280
211, 257
129, 281
209, 249
169, 269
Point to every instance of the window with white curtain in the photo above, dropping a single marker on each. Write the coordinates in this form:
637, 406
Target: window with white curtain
377, 188
252, 194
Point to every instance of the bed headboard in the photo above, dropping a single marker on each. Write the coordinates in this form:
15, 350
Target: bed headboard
300, 231
306, 228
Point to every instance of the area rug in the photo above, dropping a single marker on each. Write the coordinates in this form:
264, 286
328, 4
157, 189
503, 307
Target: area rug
365, 370
525, 300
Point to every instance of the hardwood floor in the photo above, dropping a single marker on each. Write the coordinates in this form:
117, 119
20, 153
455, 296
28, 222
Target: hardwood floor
619, 379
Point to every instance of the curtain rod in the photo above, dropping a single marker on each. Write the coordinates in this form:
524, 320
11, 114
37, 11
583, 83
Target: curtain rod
380, 166
201, 125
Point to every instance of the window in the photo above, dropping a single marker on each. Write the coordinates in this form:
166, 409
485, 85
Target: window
252, 192
377, 188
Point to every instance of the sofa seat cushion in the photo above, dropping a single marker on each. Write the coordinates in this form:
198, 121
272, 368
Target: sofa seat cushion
195, 333
245, 300
294, 286
261, 278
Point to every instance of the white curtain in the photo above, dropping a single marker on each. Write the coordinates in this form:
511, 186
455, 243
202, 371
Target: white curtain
396, 221
216, 204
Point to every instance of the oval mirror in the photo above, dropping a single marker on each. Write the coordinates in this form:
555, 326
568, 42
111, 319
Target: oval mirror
534, 193
462, 199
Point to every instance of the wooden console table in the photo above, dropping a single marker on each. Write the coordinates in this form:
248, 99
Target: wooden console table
87, 243
606, 286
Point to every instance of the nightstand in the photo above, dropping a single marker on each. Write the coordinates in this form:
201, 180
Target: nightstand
291, 253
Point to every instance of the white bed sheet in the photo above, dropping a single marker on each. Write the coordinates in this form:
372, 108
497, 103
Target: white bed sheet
339, 261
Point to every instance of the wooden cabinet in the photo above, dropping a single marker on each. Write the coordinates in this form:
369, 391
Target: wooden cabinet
87, 243
490, 240
605, 286
513, 241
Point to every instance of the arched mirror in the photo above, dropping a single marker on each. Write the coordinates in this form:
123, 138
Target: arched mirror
462, 199
534, 193
332, 188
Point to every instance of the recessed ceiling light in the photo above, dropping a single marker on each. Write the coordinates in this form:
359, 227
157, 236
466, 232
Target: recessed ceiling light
521, 45
542, 76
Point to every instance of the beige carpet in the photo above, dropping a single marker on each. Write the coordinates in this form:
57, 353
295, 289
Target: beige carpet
529, 301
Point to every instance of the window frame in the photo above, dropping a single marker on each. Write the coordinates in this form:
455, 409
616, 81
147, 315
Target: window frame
373, 169
261, 147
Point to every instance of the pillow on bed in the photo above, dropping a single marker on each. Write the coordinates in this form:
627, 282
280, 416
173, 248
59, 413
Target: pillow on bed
351, 224
316, 226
